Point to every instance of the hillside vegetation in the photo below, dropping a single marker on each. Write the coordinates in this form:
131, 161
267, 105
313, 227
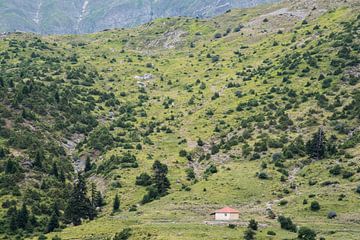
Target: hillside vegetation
144, 132
84, 16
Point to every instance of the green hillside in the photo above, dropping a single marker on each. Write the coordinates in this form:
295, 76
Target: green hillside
257, 109
83, 16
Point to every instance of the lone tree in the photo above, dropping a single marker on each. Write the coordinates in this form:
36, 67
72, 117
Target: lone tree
161, 182
79, 205
88, 166
253, 225
316, 147
116, 204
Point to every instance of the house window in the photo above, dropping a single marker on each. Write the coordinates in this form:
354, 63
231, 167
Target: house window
225, 214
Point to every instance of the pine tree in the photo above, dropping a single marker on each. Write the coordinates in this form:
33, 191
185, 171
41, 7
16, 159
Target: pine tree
39, 158
33, 221
316, 147
62, 177
53, 223
93, 193
78, 205
54, 170
253, 225
56, 208
249, 234
57, 97
87, 164
160, 180
116, 204
97, 199
23, 217
12, 215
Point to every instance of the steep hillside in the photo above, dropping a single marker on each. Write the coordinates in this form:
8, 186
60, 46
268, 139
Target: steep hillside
82, 16
257, 109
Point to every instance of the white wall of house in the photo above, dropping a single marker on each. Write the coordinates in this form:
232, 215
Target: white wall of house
226, 216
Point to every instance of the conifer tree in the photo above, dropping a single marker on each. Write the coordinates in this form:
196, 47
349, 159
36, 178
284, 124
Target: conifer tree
62, 177
53, 223
12, 215
56, 209
161, 182
87, 164
79, 206
97, 199
116, 204
316, 147
54, 170
23, 217
39, 158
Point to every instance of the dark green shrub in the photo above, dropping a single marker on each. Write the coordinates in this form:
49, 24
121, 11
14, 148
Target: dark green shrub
336, 170
306, 234
217, 35
253, 225
332, 215
263, 175
143, 179
249, 234
315, 206
286, 223
125, 234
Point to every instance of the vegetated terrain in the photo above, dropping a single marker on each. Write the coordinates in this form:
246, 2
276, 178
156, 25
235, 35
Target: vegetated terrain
144, 132
84, 16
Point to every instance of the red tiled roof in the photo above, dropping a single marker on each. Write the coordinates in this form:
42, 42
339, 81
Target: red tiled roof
227, 210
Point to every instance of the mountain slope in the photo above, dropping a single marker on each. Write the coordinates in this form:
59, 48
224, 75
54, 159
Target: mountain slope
235, 106
80, 16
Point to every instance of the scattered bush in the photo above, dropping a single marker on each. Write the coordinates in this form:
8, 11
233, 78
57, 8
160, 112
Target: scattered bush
306, 234
271, 233
263, 175
125, 234
315, 206
286, 223
253, 225
143, 179
249, 234
336, 170
332, 215
217, 35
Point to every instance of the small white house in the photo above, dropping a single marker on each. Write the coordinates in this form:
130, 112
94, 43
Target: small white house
226, 214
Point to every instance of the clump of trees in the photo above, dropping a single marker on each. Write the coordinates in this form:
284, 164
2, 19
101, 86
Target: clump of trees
159, 183
79, 205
